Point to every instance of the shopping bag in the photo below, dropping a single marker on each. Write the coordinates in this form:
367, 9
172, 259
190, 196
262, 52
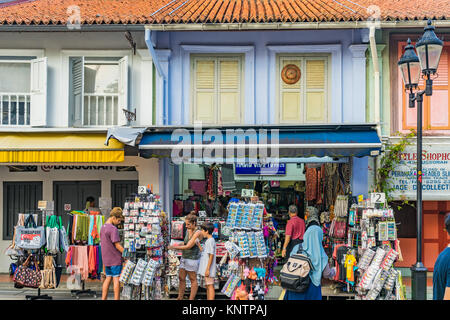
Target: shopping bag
28, 277
52, 234
63, 239
30, 236
74, 280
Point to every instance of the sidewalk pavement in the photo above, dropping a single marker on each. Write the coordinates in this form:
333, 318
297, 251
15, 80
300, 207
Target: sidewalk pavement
7, 289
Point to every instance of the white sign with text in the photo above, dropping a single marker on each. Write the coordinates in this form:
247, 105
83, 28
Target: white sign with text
435, 170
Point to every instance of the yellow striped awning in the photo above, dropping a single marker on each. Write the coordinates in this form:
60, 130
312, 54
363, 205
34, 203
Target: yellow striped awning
59, 147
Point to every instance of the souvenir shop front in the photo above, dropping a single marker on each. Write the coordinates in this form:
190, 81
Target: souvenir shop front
248, 205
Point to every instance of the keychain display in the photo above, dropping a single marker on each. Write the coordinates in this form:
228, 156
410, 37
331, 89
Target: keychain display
127, 272
146, 237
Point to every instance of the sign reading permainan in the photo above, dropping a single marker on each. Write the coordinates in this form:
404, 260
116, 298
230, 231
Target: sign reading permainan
435, 169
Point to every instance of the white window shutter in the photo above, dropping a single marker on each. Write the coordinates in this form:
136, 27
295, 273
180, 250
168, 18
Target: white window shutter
80, 116
38, 105
123, 91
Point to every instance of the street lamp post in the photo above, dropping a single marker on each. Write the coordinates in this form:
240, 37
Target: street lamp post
429, 48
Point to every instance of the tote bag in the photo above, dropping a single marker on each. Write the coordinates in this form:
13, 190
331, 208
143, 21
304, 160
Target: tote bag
52, 234
30, 236
27, 277
63, 239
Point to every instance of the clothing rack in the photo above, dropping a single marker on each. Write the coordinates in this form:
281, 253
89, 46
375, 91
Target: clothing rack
77, 292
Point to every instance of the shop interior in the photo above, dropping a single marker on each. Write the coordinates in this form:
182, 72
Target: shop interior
208, 190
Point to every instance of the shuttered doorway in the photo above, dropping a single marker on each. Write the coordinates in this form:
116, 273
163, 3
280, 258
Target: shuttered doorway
122, 189
18, 197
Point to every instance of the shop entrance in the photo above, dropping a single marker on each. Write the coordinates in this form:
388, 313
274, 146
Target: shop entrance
75, 194
435, 238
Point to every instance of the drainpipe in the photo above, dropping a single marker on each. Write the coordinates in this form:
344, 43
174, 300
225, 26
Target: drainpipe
376, 75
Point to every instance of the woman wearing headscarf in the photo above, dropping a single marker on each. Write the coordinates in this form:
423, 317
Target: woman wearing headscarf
312, 247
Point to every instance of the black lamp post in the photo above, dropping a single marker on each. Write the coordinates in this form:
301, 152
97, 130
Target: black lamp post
429, 48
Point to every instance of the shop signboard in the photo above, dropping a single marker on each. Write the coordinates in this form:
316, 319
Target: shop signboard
260, 168
435, 168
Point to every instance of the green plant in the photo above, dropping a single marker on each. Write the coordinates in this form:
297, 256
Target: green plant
389, 162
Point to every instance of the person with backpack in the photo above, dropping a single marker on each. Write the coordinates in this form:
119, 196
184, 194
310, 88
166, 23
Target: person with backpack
312, 248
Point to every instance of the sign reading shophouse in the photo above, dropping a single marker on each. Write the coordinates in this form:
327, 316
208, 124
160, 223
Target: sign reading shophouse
436, 173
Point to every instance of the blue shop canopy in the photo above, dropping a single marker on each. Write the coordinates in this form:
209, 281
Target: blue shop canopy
268, 142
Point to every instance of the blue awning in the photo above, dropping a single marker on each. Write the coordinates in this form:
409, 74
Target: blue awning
223, 143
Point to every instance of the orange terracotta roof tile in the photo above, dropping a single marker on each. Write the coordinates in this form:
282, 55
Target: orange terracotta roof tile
58, 12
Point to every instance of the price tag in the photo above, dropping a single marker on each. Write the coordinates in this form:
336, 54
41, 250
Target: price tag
142, 189
378, 197
202, 214
67, 207
247, 193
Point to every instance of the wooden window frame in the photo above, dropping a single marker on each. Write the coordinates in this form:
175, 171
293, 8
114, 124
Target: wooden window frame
303, 57
216, 58
399, 108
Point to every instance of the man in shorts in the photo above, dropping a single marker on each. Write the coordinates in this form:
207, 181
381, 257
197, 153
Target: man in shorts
112, 252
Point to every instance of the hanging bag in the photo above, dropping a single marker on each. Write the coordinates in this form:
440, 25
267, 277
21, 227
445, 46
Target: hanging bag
294, 275
48, 274
27, 277
52, 233
30, 236
63, 239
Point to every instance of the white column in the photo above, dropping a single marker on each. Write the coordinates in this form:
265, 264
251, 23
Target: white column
162, 94
145, 109
358, 83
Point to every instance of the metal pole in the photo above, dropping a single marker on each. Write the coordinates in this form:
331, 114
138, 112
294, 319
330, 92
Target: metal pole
418, 271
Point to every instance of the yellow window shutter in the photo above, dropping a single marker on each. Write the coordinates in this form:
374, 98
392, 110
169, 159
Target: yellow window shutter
290, 95
229, 91
316, 106
204, 91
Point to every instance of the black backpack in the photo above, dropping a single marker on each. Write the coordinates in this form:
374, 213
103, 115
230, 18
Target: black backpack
294, 275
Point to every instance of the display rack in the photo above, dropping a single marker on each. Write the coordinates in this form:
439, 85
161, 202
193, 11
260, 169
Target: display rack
145, 239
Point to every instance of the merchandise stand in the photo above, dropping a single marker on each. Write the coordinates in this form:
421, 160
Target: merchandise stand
39, 254
77, 293
83, 291
39, 296
177, 238
145, 239
365, 247
247, 252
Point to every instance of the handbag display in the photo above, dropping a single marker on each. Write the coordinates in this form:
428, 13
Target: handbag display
27, 277
29, 236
